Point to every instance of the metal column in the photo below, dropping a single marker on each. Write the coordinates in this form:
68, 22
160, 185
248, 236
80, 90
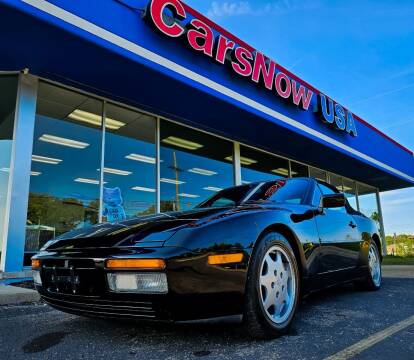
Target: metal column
381, 220
19, 180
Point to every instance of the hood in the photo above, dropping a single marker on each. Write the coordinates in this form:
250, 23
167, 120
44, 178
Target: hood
151, 230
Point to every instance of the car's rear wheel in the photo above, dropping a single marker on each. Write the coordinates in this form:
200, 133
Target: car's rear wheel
272, 289
373, 279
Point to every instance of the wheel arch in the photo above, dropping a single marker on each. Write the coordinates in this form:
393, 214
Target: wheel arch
377, 241
293, 240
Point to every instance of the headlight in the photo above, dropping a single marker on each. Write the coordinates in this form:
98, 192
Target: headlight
141, 283
36, 277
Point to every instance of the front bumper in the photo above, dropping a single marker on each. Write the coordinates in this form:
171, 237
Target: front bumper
76, 282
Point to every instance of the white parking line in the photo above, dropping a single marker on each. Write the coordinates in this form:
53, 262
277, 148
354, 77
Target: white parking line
364, 344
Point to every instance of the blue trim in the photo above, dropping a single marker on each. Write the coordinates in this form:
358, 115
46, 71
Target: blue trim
204, 107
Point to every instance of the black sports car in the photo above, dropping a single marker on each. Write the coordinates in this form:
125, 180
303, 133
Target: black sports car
251, 250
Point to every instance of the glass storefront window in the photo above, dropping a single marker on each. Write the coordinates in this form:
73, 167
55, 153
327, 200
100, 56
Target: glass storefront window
65, 174
298, 170
336, 181
259, 166
130, 164
349, 189
317, 174
194, 166
368, 201
8, 90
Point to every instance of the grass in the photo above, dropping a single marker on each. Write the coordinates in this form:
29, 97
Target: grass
398, 260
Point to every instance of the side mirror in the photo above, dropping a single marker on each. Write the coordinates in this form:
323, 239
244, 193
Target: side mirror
333, 201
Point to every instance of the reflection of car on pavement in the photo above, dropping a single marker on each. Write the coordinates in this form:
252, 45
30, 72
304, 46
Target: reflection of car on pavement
251, 249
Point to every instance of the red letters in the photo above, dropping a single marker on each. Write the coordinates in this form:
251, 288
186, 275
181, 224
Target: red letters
301, 95
260, 68
205, 36
278, 84
243, 67
157, 8
200, 37
223, 46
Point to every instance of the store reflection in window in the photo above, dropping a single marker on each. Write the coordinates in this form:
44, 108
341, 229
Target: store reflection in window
349, 189
260, 166
194, 165
65, 175
130, 171
298, 170
317, 174
368, 202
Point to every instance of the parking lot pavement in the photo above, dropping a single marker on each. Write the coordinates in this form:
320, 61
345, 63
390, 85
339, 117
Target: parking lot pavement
326, 323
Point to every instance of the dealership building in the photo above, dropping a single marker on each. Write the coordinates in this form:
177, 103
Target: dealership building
111, 109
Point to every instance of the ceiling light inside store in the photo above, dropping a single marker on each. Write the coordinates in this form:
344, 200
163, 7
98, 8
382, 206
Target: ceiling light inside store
243, 160
35, 173
63, 141
191, 196
202, 172
212, 188
186, 144
172, 181
94, 119
283, 171
87, 181
116, 171
347, 188
5, 169
46, 160
142, 158
140, 188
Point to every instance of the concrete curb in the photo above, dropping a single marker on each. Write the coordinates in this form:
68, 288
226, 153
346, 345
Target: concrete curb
11, 295
15, 275
398, 271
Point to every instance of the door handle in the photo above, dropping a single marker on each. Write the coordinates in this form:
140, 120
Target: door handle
352, 225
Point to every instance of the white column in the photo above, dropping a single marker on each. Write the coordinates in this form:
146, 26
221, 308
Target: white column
19, 180
158, 167
236, 164
381, 220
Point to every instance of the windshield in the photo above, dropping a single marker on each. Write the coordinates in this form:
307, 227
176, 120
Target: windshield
288, 190
228, 197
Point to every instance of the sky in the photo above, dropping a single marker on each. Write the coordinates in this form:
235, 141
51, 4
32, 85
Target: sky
361, 53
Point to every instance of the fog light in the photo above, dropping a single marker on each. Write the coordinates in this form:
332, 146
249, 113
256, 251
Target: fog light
36, 278
142, 283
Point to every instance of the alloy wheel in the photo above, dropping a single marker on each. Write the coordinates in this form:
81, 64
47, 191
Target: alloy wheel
374, 265
277, 284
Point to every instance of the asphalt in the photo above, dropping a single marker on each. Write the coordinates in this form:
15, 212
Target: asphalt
327, 322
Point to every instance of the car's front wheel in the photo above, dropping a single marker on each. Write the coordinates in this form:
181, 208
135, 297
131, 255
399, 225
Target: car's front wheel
272, 289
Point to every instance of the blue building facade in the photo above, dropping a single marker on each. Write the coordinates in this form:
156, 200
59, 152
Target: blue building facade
112, 109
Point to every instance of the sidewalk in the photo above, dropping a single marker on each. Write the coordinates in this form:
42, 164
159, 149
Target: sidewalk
10, 295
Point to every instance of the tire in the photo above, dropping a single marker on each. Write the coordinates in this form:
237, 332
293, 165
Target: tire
269, 278
373, 280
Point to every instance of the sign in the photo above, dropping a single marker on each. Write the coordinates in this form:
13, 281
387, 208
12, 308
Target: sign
336, 115
252, 65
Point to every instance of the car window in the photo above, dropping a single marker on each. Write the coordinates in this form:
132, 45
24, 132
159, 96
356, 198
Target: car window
326, 190
292, 191
228, 197
316, 198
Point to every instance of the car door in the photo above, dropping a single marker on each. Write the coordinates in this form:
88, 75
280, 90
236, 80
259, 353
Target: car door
339, 236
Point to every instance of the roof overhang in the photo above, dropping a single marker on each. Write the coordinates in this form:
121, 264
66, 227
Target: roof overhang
106, 48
